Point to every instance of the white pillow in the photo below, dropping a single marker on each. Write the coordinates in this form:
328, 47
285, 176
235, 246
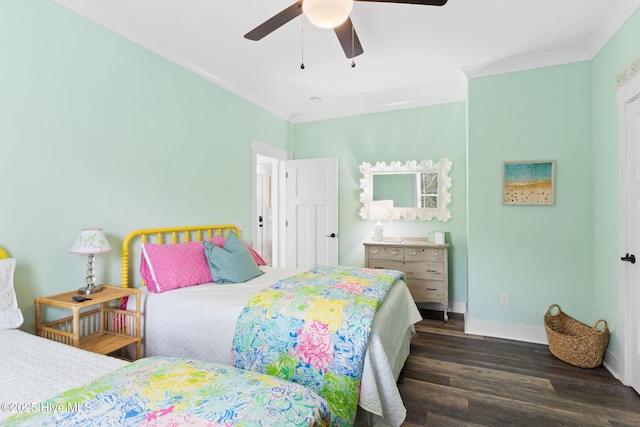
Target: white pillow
10, 314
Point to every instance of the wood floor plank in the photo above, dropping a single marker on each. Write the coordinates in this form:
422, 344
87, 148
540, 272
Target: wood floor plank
487, 381
452, 379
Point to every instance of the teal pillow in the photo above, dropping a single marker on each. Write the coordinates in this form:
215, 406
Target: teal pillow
232, 263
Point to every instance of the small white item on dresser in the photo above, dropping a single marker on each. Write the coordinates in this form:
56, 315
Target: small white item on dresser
439, 238
393, 240
378, 232
379, 210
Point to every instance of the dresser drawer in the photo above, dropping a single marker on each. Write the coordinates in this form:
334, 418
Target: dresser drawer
415, 270
434, 254
427, 291
379, 252
424, 270
433, 271
387, 264
416, 254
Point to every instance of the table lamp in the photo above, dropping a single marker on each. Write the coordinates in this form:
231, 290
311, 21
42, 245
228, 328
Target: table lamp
91, 241
379, 210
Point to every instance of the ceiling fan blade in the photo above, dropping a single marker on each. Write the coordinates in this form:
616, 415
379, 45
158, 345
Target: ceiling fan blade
275, 22
422, 2
351, 46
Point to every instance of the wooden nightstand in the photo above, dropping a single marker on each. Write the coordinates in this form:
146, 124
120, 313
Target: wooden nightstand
103, 330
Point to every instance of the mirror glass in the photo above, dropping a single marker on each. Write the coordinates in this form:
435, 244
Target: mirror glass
401, 188
417, 189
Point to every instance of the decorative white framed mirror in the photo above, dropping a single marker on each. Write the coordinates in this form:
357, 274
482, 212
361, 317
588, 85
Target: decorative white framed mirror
418, 190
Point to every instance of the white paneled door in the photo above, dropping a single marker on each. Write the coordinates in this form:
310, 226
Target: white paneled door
629, 110
312, 212
633, 135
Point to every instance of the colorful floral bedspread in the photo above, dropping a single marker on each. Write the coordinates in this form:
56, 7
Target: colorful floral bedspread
313, 329
172, 392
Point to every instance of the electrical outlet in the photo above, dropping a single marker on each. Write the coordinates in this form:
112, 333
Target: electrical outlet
504, 298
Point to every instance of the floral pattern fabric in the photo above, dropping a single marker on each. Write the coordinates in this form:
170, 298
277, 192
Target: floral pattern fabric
175, 392
313, 329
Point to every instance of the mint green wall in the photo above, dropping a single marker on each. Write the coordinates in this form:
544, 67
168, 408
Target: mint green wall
97, 131
413, 134
540, 255
620, 51
568, 253
77, 98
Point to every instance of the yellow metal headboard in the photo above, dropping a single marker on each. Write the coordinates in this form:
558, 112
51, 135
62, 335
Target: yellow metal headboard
168, 236
3, 253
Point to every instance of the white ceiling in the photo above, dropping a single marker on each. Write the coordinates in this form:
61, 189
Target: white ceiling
413, 55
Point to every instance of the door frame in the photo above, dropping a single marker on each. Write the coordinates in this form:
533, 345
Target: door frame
625, 94
279, 229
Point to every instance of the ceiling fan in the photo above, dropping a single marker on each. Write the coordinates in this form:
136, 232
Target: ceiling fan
327, 14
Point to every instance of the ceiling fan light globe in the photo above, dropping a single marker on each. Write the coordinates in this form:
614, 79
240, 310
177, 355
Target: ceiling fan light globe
327, 13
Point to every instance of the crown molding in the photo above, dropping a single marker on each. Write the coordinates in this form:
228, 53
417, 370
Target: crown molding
611, 23
165, 50
609, 26
523, 63
433, 93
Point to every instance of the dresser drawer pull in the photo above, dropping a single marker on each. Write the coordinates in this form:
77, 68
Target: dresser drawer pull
413, 253
432, 271
435, 254
374, 251
432, 289
394, 252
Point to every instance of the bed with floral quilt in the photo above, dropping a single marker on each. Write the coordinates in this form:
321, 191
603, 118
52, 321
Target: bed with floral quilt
193, 294
170, 392
313, 328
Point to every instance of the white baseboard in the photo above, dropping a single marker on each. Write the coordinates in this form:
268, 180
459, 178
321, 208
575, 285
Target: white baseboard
526, 334
613, 365
505, 330
492, 329
457, 307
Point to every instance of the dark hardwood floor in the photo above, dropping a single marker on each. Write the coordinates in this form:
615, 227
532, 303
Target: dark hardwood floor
453, 379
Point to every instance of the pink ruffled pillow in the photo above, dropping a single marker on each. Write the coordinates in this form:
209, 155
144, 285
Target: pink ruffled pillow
220, 241
173, 266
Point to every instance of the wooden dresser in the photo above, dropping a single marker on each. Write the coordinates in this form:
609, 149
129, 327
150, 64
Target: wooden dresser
425, 264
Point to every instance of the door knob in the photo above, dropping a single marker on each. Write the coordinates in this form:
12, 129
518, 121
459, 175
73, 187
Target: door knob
631, 258
332, 235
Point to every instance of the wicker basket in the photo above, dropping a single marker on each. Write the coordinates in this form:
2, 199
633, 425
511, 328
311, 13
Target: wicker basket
573, 341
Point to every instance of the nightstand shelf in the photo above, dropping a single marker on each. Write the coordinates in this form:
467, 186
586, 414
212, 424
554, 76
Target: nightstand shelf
102, 330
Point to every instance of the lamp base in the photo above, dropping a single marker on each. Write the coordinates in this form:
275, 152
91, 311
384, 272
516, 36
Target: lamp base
87, 290
378, 232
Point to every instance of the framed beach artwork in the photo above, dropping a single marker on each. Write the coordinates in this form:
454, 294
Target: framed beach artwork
529, 182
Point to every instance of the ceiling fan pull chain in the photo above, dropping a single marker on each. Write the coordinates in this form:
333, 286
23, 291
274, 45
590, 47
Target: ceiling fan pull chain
353, 43
302, 42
